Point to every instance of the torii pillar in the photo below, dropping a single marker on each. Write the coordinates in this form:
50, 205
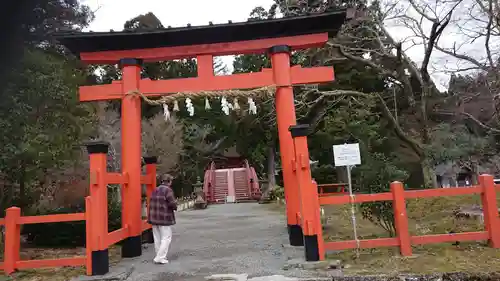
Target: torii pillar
285, 116
131, 157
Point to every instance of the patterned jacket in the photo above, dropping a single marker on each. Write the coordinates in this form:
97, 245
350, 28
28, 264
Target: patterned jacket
162, 206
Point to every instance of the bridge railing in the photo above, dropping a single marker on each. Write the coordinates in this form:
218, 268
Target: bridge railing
404, 240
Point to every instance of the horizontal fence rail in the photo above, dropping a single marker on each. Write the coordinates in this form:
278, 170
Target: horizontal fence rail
117, 236
30, 264
487, 189
52, 218
145, 225
358, 198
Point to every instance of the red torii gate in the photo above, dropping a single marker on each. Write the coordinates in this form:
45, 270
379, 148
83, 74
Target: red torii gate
277, 37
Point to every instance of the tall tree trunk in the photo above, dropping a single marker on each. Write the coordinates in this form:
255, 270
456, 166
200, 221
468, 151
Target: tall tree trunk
271, 167
271, 178
22, 189
429, 175
475, 174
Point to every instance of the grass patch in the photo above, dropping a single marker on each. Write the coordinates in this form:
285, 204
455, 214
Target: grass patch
59, 273
438, 258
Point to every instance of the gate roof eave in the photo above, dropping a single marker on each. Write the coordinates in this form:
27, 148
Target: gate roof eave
87, 42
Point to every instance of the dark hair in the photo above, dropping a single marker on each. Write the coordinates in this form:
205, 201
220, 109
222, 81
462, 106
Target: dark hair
165, 179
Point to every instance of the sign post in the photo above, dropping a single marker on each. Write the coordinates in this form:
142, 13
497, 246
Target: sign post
348, 155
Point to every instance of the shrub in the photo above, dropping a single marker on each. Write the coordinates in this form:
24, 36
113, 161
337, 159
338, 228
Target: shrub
277, 192
375, 176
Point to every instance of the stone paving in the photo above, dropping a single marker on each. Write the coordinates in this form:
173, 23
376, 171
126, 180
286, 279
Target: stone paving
246, 239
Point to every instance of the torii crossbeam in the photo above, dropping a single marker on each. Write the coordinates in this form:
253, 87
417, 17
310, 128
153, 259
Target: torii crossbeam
276, 37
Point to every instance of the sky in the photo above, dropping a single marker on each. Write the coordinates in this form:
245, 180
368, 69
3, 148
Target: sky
112, 14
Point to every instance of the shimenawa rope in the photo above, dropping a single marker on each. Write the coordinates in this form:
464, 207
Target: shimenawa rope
264, 91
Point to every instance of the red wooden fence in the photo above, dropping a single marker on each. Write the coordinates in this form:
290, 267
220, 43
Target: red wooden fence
13, 221
487, 189
95, 216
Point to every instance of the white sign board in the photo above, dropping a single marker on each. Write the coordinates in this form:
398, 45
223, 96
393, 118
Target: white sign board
346, 154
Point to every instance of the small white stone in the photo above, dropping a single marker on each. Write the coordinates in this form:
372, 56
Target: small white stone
227, 277
273, 278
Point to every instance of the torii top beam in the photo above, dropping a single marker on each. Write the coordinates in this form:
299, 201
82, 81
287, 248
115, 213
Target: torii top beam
253, 36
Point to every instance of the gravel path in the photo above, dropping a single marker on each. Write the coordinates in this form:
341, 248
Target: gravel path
244, 238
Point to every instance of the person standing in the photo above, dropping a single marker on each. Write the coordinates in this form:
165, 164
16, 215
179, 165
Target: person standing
161, 216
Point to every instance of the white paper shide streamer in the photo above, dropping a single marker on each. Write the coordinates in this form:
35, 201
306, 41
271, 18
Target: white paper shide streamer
207, 104
252, 108
225, 105
190, 107
236, 106
166, 112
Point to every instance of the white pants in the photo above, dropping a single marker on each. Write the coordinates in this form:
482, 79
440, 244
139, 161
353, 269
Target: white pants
162, 235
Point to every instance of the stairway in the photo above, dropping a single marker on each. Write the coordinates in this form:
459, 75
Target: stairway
230, 185
241, 190
221, 186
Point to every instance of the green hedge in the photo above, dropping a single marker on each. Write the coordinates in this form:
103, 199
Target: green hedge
66, 234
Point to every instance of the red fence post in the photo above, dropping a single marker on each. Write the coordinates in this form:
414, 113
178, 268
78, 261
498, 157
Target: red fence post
12, 239
490, 210
99, 207
89, 235
308, 196
401, 218
150, 162
317, 220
